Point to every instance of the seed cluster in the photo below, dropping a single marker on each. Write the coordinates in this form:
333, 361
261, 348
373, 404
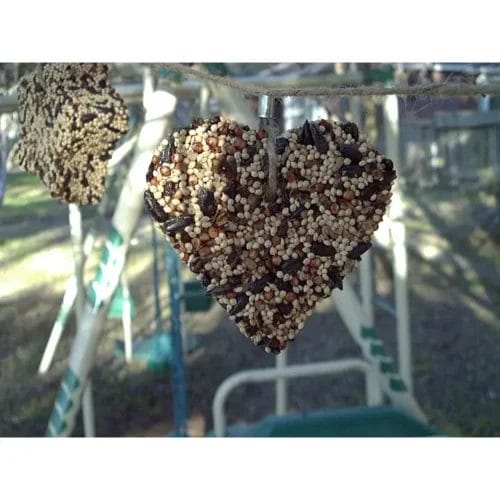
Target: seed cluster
70, 120
268, 263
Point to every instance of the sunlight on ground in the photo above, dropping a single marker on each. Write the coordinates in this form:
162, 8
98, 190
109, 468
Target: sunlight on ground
429, 251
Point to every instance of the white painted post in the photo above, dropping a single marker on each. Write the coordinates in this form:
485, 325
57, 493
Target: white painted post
75, 225
398, 236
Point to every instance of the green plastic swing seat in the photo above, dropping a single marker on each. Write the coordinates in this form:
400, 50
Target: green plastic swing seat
117, 303
195, 297
377, 421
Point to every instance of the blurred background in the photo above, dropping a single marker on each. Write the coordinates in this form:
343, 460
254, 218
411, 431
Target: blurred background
447, 155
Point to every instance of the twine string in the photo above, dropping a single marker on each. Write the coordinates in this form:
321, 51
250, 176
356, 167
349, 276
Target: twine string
428, 89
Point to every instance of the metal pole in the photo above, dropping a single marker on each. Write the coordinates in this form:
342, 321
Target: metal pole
398, 237
268, 374
178, 379
204, 100
281, 385
159, 108
126, 318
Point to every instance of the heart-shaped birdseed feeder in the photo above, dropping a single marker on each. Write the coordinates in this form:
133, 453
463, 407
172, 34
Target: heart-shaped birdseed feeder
269, 263
71, 119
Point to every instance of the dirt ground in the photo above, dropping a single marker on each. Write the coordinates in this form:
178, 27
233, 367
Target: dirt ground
454, 263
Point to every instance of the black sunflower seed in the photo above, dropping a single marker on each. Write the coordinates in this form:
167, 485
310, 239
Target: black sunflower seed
280, 145
359, 250
207, 202
284, 285
389, 176
258, 285
231, 190
214, 120
352, 152
351, 128
322, 250
205, 280
221, 290
154, 208
177, 223
292, 266
296, 214
306, 136
282, 230
230, 168
335, 278
149, 174
366, 193
196, 265
319, 140
167, 152
388, 164
241, 302
251, 150
284, 308
352, 170
233, 258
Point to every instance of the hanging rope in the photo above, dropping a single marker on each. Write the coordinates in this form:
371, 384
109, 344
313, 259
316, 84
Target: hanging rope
430, 89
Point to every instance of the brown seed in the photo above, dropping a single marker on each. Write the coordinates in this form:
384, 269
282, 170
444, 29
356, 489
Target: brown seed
269, 295
164, 170
238, 132
334, 208
253, 254
290, 177
250, 264
253, 201
240, 144
204, 252
348, 195
155, 160
319, 188
276, 240
295, 281
212, 143
196, 243
290, 297
231, 295
154, 181
230, 151
198, 148
318, 280
260, 305
213, 232
204, 236
192, 179
276, 260
261, 134
178, 195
